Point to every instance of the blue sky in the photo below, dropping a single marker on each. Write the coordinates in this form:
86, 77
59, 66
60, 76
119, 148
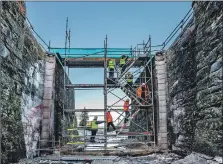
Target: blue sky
125, 23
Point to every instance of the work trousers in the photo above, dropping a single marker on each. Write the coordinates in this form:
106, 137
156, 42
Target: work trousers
127, 114
110, 124
129, 86
123, 67
93, 134
111, 72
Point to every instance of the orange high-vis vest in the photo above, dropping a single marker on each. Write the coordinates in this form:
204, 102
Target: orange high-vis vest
139, 91
109, 117
126, 106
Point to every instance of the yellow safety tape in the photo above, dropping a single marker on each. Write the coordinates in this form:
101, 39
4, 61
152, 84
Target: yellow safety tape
74, 143
72, 129
74, 136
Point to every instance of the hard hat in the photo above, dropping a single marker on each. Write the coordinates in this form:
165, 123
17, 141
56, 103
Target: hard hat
109, 110
95, 117
127, 99
143, 84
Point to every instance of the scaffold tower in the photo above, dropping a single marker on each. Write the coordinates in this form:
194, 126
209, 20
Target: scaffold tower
139, 58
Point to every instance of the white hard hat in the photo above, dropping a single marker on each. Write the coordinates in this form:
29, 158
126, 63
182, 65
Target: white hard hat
95, 117
109, 110
143, 84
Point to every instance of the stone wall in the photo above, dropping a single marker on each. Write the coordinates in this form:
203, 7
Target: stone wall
194, 65
21, 81
68, 101
54, 101
161, 92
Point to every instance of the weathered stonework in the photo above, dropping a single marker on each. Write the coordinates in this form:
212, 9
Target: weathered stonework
21, 81
24, 86
194, 65
54, 101
68, 101
161, 108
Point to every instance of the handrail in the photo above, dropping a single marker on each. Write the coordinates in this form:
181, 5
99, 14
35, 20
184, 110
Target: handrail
177, 28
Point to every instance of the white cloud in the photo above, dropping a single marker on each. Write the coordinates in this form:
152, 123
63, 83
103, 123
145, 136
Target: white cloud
97, 102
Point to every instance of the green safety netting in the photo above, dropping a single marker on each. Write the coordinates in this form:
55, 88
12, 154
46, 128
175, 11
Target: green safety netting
92, 52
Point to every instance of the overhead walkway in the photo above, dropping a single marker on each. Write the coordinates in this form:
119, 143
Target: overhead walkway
93, 57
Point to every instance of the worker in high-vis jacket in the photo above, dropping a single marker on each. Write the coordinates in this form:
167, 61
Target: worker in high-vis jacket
122, 63
109, 120
142, 93
126, 110
129, 79
111, 67
94, 128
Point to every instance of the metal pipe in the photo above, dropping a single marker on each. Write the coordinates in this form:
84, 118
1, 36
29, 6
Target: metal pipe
105, 90
152, 99
64, 99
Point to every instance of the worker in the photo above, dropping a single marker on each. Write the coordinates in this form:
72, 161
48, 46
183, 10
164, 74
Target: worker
109, 120
94, 128
129, 79
111, 66
126, 110
142, 93
122, 63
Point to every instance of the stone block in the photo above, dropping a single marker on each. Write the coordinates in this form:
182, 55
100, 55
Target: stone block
162, 103
163, 146
48, 93
49, 72
48, 89
160, 63
161, 81
46, 115
159, 58
162, 122
162, 109
160, 67
161, 72
163, 116
48, 84
49, 78
163, 141
45, 135
50, 66
45, 129
45, 122
51, 59
163, 129
161, 93
161, 76
161, 87
47, 103
161, 98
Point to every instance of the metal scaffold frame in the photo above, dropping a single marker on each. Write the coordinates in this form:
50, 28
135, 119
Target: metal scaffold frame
139, 75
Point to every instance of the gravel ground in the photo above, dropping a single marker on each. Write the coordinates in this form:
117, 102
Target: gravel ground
170, 158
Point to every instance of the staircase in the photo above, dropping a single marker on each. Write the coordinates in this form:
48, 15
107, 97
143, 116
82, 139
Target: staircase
132, 94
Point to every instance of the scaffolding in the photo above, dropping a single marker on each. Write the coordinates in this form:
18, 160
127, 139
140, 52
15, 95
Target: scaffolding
139, 57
